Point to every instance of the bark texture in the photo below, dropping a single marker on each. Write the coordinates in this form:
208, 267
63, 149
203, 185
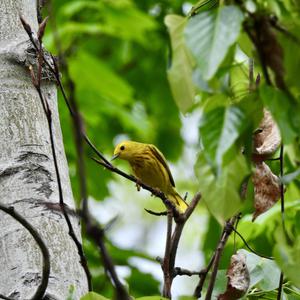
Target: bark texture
27, 175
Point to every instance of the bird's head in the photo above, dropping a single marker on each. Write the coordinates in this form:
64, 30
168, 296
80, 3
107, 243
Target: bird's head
125, 150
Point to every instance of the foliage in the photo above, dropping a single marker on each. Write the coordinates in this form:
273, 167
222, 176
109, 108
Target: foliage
116, 52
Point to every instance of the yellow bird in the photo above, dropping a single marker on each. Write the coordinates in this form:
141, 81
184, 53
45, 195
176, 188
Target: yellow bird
150, 167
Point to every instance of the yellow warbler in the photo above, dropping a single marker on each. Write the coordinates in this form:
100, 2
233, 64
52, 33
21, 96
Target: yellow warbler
150, 166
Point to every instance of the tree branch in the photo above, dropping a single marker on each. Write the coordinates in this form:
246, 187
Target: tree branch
46, 108
172, 242
226, 233
166, 261
215, 260
93, 229
250, 248
46, 257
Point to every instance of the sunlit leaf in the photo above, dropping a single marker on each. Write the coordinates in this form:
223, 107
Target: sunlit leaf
87, 71
210, 34
264, 273
219, 129
180, 72
222, 193
115, 18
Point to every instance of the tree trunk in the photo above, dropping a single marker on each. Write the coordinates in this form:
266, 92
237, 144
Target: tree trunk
27, 175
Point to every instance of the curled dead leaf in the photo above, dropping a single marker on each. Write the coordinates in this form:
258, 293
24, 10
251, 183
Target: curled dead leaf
266, 189
267, 139
238, 278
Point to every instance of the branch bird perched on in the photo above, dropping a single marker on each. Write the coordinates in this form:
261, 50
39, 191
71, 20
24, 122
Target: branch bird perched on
150, 166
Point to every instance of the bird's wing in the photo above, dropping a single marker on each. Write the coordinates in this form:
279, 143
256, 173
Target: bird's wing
163, 161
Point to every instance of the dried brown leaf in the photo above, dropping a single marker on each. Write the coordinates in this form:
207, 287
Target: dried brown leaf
266, 189
267, 139
238, 278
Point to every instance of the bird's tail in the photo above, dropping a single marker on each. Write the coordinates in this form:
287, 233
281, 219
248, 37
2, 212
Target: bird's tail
176, 199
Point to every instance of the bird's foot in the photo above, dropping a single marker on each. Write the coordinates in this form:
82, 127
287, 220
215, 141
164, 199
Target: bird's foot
138, 184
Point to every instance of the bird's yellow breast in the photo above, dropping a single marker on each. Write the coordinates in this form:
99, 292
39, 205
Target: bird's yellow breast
150, 171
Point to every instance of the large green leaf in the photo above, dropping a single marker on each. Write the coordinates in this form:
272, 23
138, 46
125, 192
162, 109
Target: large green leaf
285, 113
210, 34
219, 129
222, 193
88, 71
180, 72
264, 273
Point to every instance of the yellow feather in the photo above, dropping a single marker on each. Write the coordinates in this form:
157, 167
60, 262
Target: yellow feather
150, 166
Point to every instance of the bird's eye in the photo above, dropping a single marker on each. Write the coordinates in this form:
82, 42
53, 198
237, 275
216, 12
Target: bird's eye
122, 147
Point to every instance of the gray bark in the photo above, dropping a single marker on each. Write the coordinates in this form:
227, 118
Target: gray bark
27, 175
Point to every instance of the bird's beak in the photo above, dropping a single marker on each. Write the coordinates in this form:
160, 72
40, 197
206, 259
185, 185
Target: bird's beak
115, 156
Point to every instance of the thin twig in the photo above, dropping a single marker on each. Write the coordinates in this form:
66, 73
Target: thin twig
94, 230
202, 274
251, 75
47, 111
78, 129
214, 260
181, 272
154, 213
250, 248
282, 214
43, 247
225, 235
166, 261
280, 286
97, 234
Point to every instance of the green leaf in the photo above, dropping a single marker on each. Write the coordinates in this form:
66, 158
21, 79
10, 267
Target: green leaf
219, 129
93, 296
210, 34
288, 258
290, 177
264, 273
222, 193
282, 110
220, 285
115, 18
180, 72
138, 279
90, 73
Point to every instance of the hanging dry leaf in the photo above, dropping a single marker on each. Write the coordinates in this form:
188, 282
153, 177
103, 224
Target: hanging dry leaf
267, 139
238, 278
266, 189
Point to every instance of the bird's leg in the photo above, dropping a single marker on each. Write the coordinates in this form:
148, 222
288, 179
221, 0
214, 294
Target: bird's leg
138, 184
